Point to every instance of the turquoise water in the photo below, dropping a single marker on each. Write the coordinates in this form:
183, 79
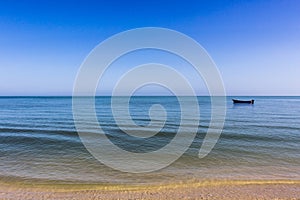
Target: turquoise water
38, 141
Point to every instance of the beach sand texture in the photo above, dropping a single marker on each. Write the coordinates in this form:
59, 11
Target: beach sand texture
196, 190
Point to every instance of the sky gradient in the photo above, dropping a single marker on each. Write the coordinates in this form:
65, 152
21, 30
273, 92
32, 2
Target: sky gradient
255, 44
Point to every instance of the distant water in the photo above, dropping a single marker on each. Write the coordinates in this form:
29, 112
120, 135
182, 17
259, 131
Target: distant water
38, 141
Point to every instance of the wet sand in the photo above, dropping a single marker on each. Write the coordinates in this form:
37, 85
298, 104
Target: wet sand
279, 189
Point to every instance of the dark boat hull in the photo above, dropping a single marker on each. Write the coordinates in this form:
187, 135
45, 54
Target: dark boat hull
241, 101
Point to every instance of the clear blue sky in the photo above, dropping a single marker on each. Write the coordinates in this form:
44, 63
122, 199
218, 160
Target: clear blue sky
255, 44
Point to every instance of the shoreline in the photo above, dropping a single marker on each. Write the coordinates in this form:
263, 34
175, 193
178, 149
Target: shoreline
210, 189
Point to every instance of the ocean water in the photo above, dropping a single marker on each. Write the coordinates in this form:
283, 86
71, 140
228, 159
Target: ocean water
39, 141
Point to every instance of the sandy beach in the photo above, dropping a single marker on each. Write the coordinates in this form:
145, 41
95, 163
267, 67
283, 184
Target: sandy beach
282, 189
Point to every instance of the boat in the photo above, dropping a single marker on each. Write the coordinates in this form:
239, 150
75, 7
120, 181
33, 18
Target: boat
242, 101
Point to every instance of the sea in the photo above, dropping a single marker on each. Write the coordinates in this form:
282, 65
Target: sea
39, 141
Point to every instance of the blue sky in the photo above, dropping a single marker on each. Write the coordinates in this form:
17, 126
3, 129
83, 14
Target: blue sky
255, 44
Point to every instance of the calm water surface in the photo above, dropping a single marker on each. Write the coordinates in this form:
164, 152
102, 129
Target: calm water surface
38, 141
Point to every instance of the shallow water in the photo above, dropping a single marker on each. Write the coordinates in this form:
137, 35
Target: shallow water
38, 141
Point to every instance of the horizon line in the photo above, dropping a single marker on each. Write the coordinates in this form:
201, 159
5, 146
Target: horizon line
1, 96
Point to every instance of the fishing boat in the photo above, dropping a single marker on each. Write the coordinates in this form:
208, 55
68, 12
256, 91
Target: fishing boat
242, 101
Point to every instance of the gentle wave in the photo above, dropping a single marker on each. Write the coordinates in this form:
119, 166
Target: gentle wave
38, 140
